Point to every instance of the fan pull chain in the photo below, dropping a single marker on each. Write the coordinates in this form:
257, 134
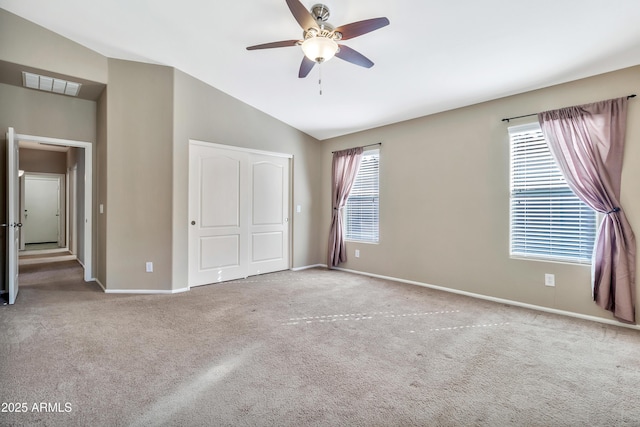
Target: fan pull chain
320, 77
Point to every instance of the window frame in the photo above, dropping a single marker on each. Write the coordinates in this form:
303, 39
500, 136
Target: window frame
581, 231
375, 237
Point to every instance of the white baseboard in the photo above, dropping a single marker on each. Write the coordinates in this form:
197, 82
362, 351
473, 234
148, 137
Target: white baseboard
140, 291
146, 291
306, 267
498, 300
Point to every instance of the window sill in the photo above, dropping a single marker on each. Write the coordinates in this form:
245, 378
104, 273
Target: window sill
551, 260
366, 242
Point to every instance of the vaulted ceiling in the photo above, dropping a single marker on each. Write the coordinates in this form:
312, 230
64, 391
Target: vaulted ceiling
434, 56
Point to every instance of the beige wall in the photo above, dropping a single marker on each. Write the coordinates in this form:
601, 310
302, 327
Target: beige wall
43, 161
22, 42
444, 198
41, 114
204, 113
139, 175
444, 178
100, 196
151, 113
38, 113
75, 161
144, 199
26, 46
82, 214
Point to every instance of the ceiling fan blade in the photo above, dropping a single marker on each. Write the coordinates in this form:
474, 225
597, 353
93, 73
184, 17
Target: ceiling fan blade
305, 67
284, 43
359, 28
301, 14
350, 55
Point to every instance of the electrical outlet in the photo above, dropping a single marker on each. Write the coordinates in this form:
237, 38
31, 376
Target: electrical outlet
357, 253
149, 267
549, 279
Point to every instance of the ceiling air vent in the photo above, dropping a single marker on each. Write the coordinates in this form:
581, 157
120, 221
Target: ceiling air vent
50, 84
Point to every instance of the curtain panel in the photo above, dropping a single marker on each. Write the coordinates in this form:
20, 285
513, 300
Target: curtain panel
587, 142
344, 169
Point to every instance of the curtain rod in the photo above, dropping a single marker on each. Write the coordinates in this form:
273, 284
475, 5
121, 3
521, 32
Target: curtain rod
535, 114
363, 146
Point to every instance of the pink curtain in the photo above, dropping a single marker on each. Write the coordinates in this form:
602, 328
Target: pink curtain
343, 173
587, 142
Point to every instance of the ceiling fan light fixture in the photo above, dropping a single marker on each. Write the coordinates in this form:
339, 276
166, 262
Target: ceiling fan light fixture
320, 39
319, 49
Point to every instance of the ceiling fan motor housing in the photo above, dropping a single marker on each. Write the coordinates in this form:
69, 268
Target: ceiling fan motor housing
320, 12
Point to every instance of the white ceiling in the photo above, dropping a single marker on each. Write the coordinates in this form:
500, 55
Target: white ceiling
434, 56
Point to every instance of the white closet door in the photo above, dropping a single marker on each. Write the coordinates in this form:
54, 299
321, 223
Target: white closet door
238, 209
269, 227
217, 209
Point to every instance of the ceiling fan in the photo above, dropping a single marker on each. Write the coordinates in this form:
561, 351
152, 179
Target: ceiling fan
320, 39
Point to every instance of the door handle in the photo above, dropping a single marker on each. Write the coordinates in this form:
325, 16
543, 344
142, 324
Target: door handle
193, 223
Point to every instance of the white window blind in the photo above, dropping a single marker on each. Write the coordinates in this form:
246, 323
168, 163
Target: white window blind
547, 218
361, 212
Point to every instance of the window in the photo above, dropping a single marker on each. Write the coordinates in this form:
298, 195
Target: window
547, 220
361, 212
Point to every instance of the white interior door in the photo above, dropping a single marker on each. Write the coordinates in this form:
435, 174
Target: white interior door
42, 209
217, 210
13, 216
238, 213
269, 226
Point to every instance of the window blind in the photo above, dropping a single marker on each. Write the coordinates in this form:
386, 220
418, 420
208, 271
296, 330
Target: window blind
361, 213
547, 218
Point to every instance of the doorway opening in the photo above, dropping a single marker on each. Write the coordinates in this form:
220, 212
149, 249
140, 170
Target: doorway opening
55, 184
44, 204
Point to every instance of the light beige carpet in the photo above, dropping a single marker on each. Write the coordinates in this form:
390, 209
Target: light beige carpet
311, 348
